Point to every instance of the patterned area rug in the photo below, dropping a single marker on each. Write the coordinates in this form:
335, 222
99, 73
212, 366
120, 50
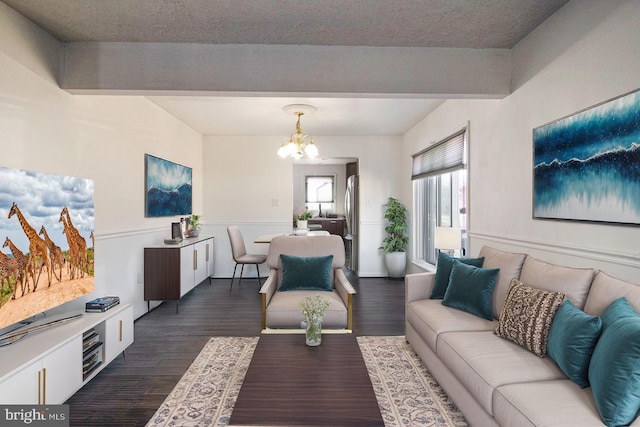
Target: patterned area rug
407, 393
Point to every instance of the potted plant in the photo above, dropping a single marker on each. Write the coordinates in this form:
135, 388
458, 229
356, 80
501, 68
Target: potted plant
194, 226
301, 223
394, 245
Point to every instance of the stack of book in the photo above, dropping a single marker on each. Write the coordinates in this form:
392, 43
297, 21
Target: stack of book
99, 305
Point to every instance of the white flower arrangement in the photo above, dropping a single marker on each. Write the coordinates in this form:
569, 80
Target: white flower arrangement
313, 308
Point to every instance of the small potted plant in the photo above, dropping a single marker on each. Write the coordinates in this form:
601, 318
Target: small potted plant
301, 223
194, 226
394, 245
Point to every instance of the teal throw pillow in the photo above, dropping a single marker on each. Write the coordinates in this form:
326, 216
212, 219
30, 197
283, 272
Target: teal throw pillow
616, 310
443, 272
471, 289
614, 371
572, 338
306, 273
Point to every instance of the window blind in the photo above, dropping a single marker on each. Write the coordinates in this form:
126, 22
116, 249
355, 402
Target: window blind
442, 157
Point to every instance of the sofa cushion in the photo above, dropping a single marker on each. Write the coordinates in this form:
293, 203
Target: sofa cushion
284, 311
614, 372
605, 289
306, 273
510, 265
443, 272
430, 318
572, 338
471, 289
557, 403
573, 282
481, 361
527, 315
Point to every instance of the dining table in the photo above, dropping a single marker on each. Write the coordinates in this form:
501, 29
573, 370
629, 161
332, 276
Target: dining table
266, 238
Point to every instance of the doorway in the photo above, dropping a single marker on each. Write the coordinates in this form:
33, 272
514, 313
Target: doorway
342, 210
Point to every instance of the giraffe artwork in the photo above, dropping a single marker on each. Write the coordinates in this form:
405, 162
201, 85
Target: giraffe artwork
78, 241
73, 248
8, 269
22, 262
38, 252
38, 235
54, 252
93, 250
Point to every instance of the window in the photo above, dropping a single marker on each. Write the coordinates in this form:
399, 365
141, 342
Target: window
439, 192
319, 190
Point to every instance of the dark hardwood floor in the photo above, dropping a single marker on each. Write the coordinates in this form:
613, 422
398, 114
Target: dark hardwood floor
132, 387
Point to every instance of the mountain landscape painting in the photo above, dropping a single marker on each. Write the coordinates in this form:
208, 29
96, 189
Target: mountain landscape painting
587, 165
168, 187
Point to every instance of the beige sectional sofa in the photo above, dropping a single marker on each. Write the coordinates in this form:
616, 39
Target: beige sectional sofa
495, 381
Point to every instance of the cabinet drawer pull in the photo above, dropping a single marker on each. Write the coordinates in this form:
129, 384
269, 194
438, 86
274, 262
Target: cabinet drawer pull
195, 259
120, 330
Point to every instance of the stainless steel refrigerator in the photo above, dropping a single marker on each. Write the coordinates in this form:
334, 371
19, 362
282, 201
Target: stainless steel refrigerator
351, 213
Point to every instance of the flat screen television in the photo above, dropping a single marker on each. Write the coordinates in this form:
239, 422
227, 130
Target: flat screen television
46, 233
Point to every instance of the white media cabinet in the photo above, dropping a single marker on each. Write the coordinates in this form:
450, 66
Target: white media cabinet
46, 367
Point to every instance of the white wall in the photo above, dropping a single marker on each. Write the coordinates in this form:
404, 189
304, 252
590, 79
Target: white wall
243, 176
600, 62
103, 138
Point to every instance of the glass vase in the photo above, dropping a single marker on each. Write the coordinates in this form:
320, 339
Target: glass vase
313, 332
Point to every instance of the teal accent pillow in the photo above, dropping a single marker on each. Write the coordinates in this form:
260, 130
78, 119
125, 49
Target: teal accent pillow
572, 338
614, 371
306, 273
616, 310
443, 272
471, 289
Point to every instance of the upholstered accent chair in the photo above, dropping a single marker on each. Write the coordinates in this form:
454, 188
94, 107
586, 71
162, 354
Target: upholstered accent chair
302, 256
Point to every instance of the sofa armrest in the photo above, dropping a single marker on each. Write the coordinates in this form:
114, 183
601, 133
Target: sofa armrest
267, 290
346, 292
418, 286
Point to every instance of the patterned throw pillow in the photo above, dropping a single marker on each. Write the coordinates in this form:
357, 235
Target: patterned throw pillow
527, 315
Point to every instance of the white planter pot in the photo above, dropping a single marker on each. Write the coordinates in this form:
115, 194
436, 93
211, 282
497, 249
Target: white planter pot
396, 263
301, 224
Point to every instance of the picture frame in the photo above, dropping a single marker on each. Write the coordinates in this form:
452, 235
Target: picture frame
585, 164
168, 188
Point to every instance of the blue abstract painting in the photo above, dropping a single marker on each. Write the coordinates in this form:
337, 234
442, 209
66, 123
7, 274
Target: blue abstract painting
168, 187
587, 165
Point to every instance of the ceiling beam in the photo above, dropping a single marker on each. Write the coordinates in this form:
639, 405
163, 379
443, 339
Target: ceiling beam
170, 68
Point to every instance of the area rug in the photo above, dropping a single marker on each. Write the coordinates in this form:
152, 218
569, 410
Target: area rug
406, 392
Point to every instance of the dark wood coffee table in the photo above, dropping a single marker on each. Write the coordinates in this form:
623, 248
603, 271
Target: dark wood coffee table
291, 384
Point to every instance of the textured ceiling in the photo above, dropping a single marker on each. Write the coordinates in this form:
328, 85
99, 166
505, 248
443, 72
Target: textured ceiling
402, 23
408, 23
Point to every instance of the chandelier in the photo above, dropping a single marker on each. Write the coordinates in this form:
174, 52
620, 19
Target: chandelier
297, 144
